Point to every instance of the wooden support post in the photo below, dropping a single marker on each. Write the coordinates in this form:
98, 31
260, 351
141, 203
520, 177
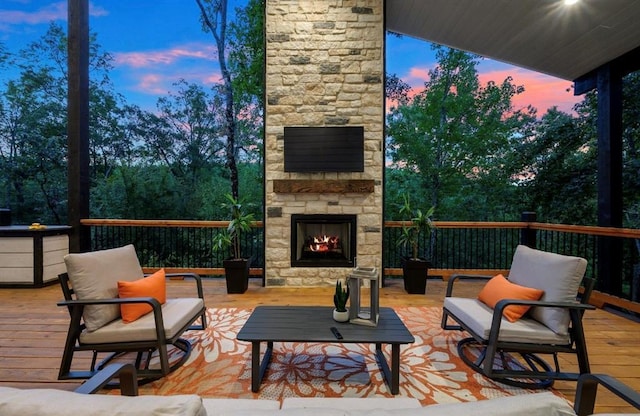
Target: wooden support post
609, 84
78, 124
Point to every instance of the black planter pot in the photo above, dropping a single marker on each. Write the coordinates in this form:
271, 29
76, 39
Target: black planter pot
415, 275
236, 271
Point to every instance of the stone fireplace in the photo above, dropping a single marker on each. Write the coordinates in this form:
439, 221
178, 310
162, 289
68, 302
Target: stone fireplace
324, 152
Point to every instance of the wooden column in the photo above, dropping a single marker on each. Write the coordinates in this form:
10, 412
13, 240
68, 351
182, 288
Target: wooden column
78, 124
609, 87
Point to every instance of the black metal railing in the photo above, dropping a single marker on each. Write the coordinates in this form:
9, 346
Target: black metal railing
453, 247
175, 244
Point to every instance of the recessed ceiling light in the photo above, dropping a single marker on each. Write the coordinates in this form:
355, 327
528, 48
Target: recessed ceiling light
570, 2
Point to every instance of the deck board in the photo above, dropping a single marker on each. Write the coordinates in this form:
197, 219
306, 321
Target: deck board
33, 330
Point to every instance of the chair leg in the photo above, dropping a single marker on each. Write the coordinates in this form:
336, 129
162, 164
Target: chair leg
163, 355
445, 315
70, 343
445, 325
580, 343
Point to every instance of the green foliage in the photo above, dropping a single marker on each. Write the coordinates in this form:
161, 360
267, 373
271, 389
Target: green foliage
418, 224
558, 171
454, 131
341, 296
246, 57
240, 223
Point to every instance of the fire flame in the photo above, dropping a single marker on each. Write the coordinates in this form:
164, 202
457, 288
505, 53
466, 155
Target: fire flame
324, 243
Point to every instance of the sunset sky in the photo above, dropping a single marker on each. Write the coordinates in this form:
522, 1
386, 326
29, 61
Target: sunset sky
157, 42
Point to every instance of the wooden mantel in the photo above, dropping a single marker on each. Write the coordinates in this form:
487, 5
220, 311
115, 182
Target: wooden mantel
346, 186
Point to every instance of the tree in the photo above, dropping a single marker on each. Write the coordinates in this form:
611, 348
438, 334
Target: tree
556, 161
454, 131
33, 126
214, 19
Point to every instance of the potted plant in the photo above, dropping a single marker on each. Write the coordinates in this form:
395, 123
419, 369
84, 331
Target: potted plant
236, 267
340, 297
418, 225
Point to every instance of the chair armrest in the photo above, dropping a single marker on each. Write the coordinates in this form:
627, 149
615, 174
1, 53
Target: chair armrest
110, 301
455, 277
587, 389
126, 373
499, 309
77, 306
538, 303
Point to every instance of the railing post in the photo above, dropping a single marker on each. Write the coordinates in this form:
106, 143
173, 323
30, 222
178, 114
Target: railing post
528, 235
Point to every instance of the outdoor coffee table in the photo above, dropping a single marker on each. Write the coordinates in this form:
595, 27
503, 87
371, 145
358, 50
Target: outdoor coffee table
313, 324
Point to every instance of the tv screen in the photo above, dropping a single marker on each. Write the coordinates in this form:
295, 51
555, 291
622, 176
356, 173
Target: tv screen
324, 149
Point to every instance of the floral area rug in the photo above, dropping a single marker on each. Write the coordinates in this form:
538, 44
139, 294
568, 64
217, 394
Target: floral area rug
430, 371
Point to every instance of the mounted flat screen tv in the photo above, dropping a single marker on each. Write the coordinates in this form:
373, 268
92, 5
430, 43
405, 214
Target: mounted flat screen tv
324, 149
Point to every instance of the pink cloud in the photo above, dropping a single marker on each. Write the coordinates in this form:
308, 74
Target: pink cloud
164, 57
153, 84
417, 76
46, 14
160, 84
541, 91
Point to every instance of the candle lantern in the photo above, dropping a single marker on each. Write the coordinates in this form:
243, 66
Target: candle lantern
359, 312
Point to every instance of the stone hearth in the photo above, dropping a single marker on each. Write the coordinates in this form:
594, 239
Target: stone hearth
325, 68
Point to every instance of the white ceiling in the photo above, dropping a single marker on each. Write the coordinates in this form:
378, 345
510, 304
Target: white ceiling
543, 35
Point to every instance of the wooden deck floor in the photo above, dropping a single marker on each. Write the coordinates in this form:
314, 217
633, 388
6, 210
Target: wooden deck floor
33, 329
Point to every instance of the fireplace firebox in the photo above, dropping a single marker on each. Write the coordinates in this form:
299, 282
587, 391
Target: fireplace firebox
323, 240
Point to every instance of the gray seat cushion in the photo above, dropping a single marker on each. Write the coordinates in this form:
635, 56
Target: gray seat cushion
478, 317
176, 313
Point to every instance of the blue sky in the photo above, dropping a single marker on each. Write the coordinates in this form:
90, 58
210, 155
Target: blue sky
156, 42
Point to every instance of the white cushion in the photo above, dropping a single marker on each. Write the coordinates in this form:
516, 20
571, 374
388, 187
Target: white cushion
478, 317
95, 275
537, 404
351, 403
176, 314
312, 411
558, 275
50, 402
216, 407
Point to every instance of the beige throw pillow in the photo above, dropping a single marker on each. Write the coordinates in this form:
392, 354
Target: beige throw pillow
95, 275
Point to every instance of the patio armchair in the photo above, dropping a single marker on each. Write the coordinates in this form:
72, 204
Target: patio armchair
115, 309
513, 322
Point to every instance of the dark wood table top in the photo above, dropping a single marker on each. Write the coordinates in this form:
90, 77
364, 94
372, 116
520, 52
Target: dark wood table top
313, 323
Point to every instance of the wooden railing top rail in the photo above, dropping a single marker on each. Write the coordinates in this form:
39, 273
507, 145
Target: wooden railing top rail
586, 229
578, 229
96, 222
463, 224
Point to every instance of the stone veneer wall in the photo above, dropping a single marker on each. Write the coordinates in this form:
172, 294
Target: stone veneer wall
325, 67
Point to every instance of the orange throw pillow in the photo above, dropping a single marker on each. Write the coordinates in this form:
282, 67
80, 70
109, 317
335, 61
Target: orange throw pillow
499, 288
154, 286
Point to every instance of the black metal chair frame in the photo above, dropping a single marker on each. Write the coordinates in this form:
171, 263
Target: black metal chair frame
117, 349
531, 371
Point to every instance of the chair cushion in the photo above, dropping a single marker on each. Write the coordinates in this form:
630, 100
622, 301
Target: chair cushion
50, 402
557, 275
499, 288
536, 404
176, 314
478, 317
154, 286
95, 275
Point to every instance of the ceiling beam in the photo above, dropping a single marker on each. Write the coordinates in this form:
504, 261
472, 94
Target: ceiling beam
619, 67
